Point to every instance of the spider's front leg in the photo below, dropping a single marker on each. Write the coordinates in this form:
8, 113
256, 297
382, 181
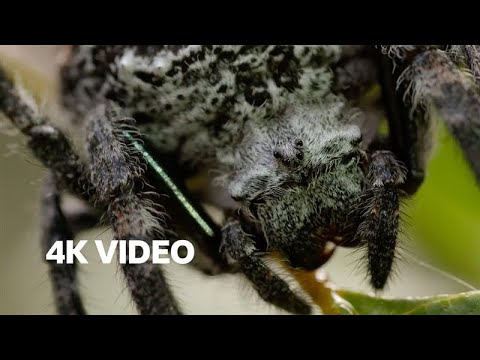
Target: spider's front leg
240, 246
116, 171
379, 215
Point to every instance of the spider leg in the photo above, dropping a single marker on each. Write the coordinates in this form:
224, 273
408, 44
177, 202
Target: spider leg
47, 143
51, 147
79, 214
410, 132
116, 173
55, 228
466, 57
355, 74
146, 282
240, 246
430, 80
62, 221
379, 215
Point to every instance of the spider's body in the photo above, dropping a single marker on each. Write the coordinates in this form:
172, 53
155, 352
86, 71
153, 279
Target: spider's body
283, 129
231, 109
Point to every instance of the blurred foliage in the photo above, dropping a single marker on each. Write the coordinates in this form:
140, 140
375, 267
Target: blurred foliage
335, 301
38, 85
444, 216
457, 304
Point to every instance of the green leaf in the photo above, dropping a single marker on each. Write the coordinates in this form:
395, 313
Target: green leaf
444, 214
467, 303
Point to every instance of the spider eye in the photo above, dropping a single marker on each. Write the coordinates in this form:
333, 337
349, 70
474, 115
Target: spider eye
298, 143
300, 155
277, 154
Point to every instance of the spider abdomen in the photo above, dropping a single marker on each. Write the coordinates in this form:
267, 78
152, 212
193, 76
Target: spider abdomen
190, 89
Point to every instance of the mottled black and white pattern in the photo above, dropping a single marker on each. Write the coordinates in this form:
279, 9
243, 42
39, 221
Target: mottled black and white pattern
183, 95
285, 131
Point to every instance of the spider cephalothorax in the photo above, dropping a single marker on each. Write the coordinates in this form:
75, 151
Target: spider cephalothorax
286, 133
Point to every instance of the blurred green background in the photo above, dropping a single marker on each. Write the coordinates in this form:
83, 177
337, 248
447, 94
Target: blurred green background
442, 227
445, 214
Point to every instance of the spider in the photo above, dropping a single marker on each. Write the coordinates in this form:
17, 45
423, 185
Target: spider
287, 133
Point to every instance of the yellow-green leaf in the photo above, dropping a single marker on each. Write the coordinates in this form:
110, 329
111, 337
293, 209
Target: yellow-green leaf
467, 303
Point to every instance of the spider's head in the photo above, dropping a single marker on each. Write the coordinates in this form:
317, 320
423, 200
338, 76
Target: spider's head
299, 179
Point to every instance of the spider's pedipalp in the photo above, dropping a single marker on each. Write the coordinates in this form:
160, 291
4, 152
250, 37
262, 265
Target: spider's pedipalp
379, 215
